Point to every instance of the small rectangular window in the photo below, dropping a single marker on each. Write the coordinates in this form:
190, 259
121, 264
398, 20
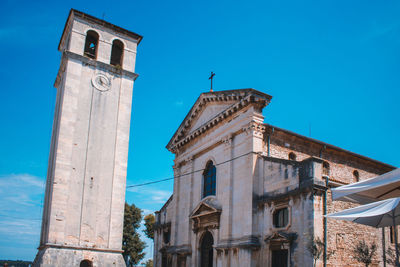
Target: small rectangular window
281, 217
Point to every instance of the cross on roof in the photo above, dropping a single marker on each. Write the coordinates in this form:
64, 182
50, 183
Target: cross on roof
211, 78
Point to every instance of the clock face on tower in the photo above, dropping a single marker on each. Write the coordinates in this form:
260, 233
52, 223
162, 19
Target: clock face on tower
101, 82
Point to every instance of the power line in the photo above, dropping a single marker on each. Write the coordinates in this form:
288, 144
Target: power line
181, 175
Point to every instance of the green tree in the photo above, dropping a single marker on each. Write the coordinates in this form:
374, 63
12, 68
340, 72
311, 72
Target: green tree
149, 221
149, 263
131, 243
364, 253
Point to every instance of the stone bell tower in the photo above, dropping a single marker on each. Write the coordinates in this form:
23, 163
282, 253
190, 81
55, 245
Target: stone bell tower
85, 190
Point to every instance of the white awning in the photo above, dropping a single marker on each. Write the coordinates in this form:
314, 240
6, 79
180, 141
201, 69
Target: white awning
376, 214
378, 188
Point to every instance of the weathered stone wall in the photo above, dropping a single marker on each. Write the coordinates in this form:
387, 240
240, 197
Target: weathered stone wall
163, 226
342, 236
281, 189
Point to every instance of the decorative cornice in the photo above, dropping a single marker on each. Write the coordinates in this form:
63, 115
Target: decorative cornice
94, 63
249, 242
162, 226
255, 128
227, 140
383, 167
93, 20
180, 250
281, 237
244, 97
50, 245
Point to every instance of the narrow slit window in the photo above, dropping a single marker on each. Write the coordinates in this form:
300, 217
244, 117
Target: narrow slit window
356, 176
292, 156
325, 168
117, 53
91, 43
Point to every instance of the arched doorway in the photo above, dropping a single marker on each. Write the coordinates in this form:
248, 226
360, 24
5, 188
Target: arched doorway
206, 250
86, 263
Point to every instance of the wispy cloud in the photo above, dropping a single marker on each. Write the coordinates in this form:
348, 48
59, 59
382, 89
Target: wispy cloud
178, 103
149, 198
21, 197
21, 189
149, 194
378, 30
147, 212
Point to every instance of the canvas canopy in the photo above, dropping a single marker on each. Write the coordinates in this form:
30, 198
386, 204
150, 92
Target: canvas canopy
378, 188
377, 214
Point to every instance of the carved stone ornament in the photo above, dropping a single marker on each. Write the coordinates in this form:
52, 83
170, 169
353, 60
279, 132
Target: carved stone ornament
101, 82
227, 140
281, 240
255, 128
205, 216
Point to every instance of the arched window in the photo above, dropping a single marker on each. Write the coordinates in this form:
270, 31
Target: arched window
325, 168
117, 53
356, 176
91, 43
86, 263
292, 156
209, 180
206, 250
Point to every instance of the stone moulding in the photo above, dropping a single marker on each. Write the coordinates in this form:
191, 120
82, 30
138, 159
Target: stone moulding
161, 226
99, 65
94, 21
304, 188
247, 242
80, 248
180, 250
280, 240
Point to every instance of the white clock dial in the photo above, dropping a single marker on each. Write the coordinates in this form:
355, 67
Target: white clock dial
101, 82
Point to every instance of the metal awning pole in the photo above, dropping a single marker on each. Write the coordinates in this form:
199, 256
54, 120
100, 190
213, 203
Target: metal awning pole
395, 238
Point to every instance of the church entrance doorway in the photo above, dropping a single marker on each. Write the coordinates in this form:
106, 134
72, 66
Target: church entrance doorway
280, 258
206, 250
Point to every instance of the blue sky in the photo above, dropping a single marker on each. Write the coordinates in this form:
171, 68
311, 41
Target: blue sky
332, 66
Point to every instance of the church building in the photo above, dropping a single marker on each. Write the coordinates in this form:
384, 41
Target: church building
247, 193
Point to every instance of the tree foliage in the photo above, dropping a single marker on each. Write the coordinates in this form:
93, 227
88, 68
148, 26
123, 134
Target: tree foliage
131, 243
149, 221
364, 253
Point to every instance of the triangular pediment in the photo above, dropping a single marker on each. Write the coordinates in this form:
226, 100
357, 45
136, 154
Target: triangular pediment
210, 111
281, 237
204, 209
212, 108
206, 214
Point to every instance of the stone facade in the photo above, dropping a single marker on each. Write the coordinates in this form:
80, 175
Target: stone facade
85, 189
264, 176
